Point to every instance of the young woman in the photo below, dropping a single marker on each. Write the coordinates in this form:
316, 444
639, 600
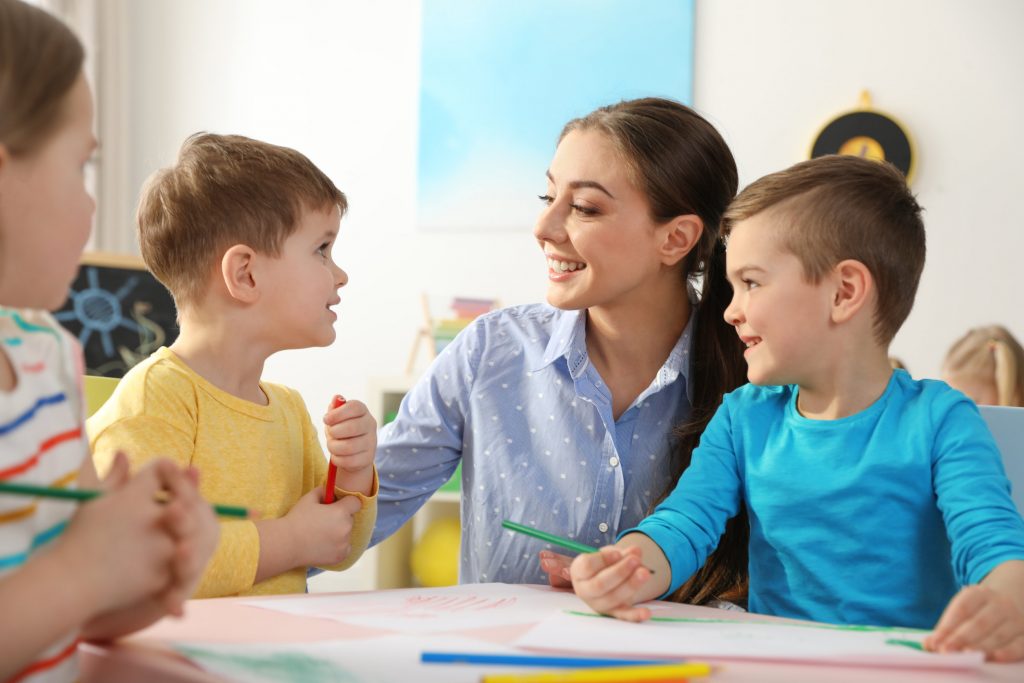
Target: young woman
563, 414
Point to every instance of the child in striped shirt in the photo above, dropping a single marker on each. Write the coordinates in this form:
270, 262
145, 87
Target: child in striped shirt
122, 561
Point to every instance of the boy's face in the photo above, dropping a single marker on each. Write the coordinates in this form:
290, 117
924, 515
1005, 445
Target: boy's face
300, 286
46, 212
781, 317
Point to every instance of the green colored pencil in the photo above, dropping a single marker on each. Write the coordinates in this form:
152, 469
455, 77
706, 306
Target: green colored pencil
85, 494
550, 538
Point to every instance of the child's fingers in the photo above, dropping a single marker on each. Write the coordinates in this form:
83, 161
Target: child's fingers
352, 428
350, 504
624, 594
1013, 651
634, 614
351, 446
992, 627
349, 412
611, 583
588, 565
120, 472
959, 610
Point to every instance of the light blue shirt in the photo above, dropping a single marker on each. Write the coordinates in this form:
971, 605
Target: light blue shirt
876, 518
516, 398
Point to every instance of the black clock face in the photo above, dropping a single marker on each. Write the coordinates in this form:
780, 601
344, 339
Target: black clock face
866, 134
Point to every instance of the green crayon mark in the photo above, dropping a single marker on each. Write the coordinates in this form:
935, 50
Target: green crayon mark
912, 644
831, 627
281, 667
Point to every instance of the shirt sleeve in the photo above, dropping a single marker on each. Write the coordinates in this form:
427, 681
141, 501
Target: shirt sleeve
689, 523
418, 452
973, 494
143, 438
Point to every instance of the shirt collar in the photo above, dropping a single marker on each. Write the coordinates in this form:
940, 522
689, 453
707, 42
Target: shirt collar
569, 341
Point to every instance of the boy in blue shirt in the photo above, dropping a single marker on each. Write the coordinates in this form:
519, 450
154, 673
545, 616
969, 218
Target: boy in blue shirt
873, 498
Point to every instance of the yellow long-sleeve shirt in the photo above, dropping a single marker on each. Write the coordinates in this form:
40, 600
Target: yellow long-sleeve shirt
261, 457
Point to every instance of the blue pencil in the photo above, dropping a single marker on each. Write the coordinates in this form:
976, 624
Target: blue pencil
530, 660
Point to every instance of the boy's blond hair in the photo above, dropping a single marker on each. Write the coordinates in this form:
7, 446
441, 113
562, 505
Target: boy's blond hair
225, 190
834, 208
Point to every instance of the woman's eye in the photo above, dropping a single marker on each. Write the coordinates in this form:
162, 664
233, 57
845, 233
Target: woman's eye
584, 210
546, 198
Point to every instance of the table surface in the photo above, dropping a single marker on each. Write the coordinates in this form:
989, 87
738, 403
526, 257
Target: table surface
146, 656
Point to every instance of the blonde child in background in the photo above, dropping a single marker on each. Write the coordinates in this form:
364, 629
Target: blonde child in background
122, 561
987, 364
873, 498
240, 231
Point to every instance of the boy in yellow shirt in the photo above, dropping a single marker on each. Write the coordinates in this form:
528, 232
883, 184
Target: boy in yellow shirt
240, 232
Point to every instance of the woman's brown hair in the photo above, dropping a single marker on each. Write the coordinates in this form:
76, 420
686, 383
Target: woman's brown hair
40, 59
683, 166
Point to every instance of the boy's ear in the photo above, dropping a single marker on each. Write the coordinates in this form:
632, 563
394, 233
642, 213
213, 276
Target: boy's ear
236, 269
853, 288
681, 236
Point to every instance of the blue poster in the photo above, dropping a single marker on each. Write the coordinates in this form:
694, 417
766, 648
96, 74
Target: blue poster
500, 79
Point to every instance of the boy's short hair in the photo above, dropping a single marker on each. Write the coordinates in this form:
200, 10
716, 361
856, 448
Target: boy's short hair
834, 208
225, 190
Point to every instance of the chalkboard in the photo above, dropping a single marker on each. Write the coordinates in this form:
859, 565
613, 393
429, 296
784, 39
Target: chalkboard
119, 312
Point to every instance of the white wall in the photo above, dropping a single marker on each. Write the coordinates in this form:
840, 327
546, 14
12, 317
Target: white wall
338, 81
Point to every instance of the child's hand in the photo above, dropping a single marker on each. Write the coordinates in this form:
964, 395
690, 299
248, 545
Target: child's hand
981, 619
123, 533
190, 520
610, 580
557, 568
322, 532
352, 443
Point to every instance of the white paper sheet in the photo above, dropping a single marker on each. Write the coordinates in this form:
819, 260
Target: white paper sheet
390, 659
432, 610
566, 631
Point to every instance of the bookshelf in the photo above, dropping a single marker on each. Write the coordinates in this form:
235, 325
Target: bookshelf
392, 563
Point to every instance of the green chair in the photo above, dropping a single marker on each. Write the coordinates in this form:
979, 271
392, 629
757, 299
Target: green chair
97, 391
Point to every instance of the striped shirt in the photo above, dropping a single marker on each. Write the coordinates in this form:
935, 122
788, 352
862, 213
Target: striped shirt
41, 443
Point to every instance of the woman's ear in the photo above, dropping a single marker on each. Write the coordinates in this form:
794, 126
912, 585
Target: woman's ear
681, 235
236, 269
854, 287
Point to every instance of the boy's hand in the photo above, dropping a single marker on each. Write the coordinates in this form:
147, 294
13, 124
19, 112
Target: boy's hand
557, 568
322, 532
352, 443
609, 581
981, 619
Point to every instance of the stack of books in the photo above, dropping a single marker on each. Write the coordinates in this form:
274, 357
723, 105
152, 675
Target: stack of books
465, 310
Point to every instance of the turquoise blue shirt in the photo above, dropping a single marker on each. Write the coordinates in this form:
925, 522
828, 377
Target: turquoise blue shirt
515, 398
876, 518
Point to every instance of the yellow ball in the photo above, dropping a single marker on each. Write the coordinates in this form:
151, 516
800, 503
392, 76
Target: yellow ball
435, 558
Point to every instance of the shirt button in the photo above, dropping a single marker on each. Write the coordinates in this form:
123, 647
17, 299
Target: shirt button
613, 461
602, 527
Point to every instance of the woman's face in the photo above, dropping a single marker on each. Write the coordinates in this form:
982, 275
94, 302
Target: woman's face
596, 231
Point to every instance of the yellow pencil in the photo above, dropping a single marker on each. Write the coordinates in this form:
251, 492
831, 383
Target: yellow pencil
644, 673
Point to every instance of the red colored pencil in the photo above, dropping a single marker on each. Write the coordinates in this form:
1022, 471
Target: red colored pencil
332, 469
